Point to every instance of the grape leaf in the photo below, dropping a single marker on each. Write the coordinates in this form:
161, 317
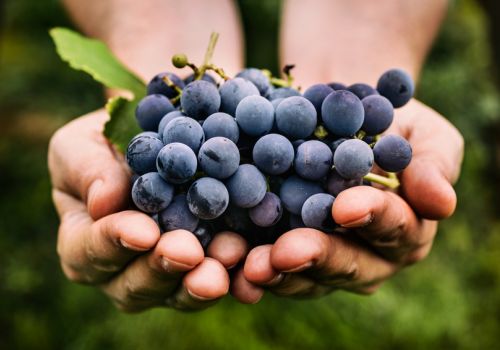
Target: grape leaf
94, 58
121, 126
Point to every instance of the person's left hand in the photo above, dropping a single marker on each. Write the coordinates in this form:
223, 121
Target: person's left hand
388, 231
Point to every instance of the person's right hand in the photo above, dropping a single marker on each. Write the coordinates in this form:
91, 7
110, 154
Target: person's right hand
121, 251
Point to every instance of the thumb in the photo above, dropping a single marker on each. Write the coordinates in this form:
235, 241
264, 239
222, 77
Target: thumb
84, 165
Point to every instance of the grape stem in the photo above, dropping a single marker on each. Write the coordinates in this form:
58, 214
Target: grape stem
390, 181
208, 55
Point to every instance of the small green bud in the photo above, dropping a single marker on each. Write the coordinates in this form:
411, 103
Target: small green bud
180, 60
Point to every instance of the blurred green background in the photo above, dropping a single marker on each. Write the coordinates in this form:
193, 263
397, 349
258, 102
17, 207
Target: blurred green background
449, 301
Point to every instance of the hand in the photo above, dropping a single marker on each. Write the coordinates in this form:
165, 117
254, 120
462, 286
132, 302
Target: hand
121, 251
388, 231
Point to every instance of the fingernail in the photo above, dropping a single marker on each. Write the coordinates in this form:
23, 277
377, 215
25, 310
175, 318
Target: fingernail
174, 266
197, 297
275, 280
363, 221
301, 267
132, 247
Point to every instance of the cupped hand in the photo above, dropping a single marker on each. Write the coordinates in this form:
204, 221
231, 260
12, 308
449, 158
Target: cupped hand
122, 251
387, 230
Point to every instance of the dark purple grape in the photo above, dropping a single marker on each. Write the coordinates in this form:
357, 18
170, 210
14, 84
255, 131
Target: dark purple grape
392, 153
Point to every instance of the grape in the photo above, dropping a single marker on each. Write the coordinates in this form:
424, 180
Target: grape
273, 154
316, 94
342, 113
283, 92
335, 144
233, 91
255, 115
294, 192
176, 163
257, 78
247, 187
297, 143
353, 159
151, 193
362, 90
392, 153
142, 152
202, 232
379, 114
151, 109
369, 139
296, 117
178, 216
276, 102
268, 212
336, 183
221, 124
397, 86
313, 160
158, 86
199, 99
147, 133
166, 119
295, 221
207, 198
317, 212
238, 220
219, 157
184, 130
205, 77
337, 86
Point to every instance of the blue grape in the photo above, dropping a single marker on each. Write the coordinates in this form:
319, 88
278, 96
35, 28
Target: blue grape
151, 109
205, 77
379, 114
219, 157
158, 86
397, 86
353, 159
342, 113
166, 119
317, 212
296, 117
335, 144
313, 160
142, 152
257, 78
283, 92
295, 221
268, 212
337, 86
276, 102
362, 90
202, 232
176, 163
184, 130
152, 194
336, 183
221, 124
247, 187
177, 216
238, 220
233, 91
255, 115
297, 143
273, 154
392, 153
199, 99
294, 192
207, 198
317, 94
147, 133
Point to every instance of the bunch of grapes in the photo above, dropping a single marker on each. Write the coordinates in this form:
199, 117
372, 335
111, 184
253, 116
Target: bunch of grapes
254, 155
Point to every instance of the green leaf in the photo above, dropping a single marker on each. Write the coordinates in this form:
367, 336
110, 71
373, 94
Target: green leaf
122, 125
94, 58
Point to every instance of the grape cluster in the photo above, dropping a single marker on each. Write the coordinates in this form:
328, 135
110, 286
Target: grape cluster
259, 159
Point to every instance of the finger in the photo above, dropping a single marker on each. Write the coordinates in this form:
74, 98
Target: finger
437, 156
330, 260
244, 291
202, 287
92, 251
385, 220
83, 164
151, 279
228, 248
258, 268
